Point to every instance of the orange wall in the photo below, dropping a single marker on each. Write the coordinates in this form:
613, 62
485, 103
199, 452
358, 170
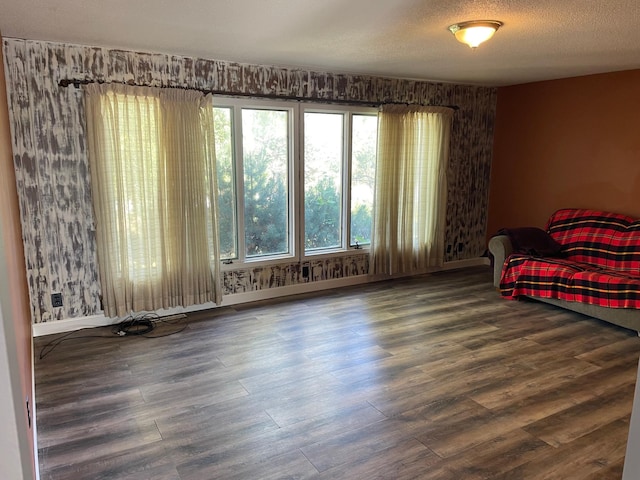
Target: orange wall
13, 252
566, 143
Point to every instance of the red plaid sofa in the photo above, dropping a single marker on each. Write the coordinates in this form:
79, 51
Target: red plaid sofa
589, 262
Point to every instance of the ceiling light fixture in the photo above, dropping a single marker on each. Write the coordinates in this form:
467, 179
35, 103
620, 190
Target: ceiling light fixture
474, 32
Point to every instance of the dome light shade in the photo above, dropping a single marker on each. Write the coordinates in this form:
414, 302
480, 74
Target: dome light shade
475, 32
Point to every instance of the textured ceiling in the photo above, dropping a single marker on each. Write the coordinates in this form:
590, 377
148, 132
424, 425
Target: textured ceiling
540, 40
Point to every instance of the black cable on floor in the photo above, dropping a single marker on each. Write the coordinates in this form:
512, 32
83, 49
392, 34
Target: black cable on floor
51, 346
140, 325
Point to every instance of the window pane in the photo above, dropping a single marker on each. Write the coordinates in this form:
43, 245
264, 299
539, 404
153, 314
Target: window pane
226, 183
265, 144
323, 141
363, 163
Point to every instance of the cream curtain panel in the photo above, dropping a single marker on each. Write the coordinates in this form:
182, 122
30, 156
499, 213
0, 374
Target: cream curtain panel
411, 189
152, 160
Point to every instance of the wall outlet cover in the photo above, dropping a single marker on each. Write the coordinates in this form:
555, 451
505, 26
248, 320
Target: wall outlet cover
56, 300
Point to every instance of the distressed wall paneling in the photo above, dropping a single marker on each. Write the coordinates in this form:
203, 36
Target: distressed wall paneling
286, 274
52, 172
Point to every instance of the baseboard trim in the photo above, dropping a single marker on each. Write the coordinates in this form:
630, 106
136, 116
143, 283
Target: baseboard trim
92, 321
71, 324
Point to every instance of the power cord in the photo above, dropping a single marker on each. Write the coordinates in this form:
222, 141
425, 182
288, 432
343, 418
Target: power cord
53, 344
140, 325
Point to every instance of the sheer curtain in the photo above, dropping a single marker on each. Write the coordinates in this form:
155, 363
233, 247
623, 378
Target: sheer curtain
411, 189
152, 160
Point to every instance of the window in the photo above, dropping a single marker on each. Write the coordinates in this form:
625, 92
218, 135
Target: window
363, 167
265, 166
294, 179
254, 163
323, 174
227, 213
329, 173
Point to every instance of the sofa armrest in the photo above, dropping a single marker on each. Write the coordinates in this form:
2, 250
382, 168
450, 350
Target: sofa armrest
500, 247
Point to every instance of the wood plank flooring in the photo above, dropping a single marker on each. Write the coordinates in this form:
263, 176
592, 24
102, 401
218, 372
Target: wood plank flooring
433, 377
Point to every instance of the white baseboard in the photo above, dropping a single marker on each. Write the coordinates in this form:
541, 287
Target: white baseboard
92, 321
71, 324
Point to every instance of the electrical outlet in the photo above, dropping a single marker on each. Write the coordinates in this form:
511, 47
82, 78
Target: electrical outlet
56, 300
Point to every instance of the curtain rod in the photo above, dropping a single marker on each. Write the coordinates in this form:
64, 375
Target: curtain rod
78, 83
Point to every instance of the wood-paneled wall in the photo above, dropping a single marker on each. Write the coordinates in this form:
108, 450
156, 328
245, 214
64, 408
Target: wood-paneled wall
48, 135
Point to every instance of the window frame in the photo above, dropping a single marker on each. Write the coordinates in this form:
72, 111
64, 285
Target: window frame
295, 202
344, 179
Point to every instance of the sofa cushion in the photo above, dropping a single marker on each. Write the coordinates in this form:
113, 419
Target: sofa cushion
606, 289
607, 240
568, 280
539, 277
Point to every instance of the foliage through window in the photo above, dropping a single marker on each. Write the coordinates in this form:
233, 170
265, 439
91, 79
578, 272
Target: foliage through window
265, 163
323, 154
363, 167
293, 178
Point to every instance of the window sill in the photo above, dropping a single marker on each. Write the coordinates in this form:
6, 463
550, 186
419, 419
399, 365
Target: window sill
237, 265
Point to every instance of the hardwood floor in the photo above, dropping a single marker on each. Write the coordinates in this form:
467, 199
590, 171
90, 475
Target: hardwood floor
433, 377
